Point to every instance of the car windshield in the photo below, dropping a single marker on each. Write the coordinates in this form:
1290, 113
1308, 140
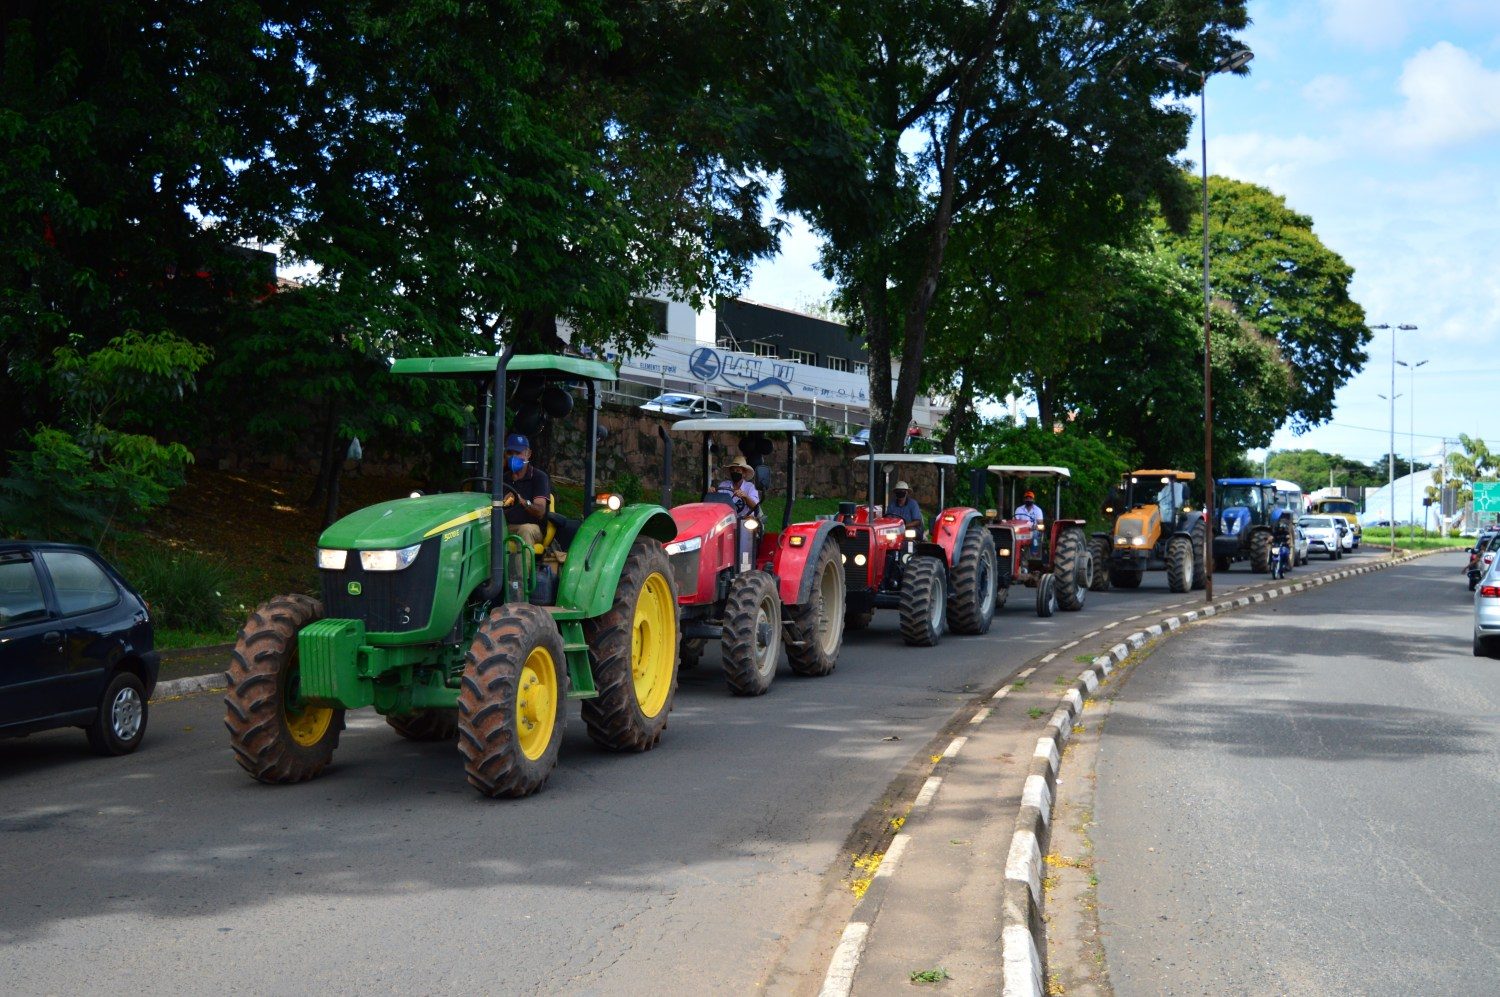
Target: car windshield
1338, 505
1316, 523
673, 399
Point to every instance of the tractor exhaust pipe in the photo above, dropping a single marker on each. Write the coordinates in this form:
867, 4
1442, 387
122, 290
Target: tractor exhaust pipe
666, 467
498, 561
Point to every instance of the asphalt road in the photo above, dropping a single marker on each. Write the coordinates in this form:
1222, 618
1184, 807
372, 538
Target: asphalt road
1304, 798
687, 869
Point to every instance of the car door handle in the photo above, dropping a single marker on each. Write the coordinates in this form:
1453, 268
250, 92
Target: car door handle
52, 637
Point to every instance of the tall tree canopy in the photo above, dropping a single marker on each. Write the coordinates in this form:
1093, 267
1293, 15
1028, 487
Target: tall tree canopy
1267, 261
961, 107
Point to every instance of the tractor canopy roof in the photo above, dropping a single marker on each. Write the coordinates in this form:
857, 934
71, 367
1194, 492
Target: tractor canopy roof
739, 426
1262, 482
544, 365
1178, 475
1024, 471
943, 459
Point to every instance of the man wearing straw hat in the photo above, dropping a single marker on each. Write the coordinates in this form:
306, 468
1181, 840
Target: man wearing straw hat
739, 485
905, 506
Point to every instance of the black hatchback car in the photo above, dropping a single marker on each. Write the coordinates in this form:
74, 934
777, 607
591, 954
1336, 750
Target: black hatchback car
75, 646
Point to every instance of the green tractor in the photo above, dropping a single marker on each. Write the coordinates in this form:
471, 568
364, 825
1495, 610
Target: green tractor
454, 628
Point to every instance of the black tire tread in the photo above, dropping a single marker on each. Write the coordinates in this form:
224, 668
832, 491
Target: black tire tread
922, 584
738, 649
804, 651
966, 615
258, 734
1071, 582
613, 718
487, 737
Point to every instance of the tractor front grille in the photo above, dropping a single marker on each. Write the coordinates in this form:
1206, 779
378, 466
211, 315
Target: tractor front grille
685, 572
387, 601
856, 543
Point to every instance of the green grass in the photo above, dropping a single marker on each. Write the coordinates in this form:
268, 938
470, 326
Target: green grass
169, 638
1035, 712
937, 975
1380, 536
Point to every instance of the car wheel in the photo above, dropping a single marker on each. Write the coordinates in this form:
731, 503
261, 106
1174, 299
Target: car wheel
120, 721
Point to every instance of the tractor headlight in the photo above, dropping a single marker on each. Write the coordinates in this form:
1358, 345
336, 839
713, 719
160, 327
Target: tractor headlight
752, 524
332, 560
389, 560
911, 534
684, 546
1122, 541
859, 559
1234, 526
1137, 541
610, 501
1005, 552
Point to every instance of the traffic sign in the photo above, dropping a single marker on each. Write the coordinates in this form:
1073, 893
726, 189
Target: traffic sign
1486, 497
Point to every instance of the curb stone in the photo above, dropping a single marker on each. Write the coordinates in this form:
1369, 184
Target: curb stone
172, 688
1023, 933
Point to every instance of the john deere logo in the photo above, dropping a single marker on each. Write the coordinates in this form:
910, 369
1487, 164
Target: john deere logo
355, 588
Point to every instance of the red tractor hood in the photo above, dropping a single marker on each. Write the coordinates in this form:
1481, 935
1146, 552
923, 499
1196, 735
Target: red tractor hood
699, 519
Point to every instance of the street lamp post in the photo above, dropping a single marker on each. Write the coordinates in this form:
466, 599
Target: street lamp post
1232, 62
1391, 457
1411, 441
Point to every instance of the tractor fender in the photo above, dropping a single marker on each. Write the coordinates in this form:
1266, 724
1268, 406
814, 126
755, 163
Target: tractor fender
1186, 525
597, 555
796, 551
949, 528
927, 548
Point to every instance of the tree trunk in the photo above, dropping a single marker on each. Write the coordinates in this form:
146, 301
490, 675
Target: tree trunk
325, 457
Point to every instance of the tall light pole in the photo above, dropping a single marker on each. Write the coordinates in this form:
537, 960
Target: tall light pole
1391, 474
1411, 441
1230, 63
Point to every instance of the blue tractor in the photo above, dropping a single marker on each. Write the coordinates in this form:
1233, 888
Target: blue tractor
1247, 514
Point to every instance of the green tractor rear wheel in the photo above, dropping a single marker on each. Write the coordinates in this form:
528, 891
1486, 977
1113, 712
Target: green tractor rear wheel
425, 725
276, 736
633, 647
510, 708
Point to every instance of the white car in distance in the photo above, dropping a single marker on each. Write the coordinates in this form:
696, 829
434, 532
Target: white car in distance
1324, 536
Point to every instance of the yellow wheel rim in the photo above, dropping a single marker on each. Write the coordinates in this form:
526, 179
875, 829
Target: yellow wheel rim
653, 644
307, 724
536, 703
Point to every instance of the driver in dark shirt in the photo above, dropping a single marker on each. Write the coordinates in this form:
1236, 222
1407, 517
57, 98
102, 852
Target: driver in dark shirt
904, 506
528, 491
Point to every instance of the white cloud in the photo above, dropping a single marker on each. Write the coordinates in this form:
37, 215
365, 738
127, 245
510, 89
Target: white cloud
1328, 91
1366, 24
1450, 98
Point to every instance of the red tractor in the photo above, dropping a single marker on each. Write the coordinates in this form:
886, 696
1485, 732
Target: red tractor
750, 589
939, 578
1054, 559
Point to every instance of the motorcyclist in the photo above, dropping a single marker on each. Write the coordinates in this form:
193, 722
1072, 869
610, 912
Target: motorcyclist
1281, 542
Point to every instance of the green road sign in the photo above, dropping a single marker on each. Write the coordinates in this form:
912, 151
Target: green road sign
1486, 497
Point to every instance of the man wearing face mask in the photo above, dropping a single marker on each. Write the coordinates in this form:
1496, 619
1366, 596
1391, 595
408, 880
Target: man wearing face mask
527, 493
903, 505
1029, 510
739, 485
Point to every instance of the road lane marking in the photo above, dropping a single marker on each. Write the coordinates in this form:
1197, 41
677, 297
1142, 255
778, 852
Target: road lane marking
1131, 619
1071, 643
1048, 657
1025, 673
1110, 626
845, 962
1091, 633
1001, 693
929, 790
954, 747
893, 854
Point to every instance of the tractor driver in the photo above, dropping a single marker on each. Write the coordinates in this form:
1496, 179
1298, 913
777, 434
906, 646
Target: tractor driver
528, 491
739, 484
1029, 510
904, 506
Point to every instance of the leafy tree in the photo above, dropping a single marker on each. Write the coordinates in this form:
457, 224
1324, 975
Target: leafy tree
75, 479
1267, 261
120, 120
945, 108
1095, 464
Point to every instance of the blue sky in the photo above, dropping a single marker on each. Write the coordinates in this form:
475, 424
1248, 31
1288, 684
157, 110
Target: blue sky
1380, 119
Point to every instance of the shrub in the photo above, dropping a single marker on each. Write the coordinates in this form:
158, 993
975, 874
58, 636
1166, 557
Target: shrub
186, 591
628, 485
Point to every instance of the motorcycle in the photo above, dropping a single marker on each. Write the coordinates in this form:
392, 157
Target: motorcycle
1281, 557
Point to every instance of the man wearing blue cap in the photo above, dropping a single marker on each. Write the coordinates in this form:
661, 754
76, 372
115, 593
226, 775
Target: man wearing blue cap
528, 490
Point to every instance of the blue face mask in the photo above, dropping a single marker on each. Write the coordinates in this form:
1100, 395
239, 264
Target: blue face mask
516, 464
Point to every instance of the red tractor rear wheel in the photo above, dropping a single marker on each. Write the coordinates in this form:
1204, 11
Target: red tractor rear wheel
751, 649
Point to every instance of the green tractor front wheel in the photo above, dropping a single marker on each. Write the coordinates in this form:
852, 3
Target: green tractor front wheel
276, 736
510, 706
